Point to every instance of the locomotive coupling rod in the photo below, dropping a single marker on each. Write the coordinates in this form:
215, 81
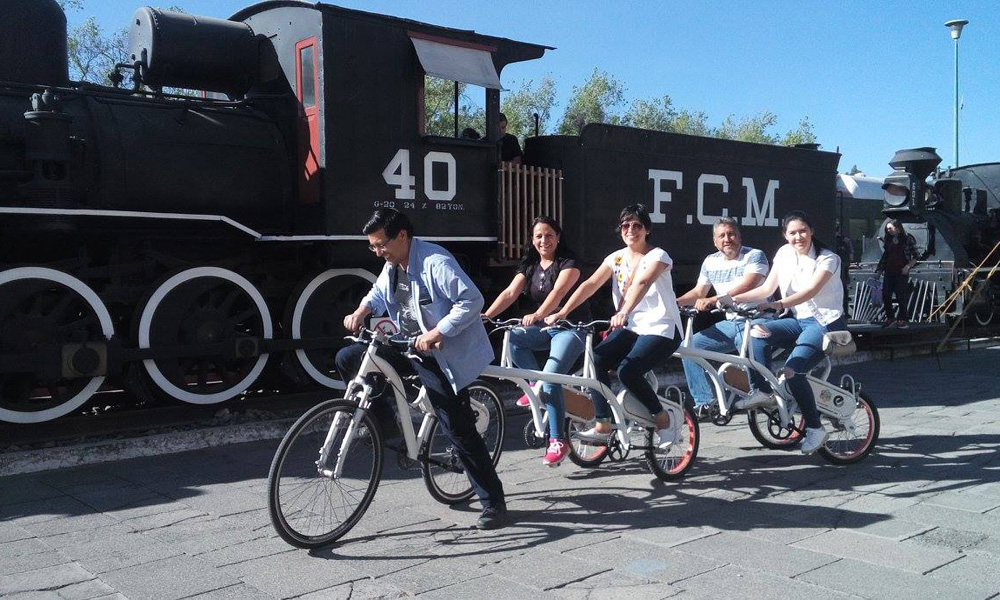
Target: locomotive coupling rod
59, 361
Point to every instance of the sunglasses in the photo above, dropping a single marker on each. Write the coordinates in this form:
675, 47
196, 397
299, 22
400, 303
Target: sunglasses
632, 225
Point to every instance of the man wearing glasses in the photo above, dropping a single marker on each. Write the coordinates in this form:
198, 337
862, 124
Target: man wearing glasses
429, 297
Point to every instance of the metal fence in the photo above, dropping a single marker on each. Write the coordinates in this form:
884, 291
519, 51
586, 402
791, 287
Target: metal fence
922, 298
525, 193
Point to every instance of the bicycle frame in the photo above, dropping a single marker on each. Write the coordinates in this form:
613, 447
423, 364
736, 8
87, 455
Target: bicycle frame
588, 379
828, 403
361, 391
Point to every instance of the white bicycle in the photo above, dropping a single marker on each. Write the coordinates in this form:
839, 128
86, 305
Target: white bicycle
327, 468
846, 411
635, 427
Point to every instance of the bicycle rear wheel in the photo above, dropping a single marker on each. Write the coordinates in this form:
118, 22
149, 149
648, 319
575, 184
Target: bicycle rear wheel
845, 447
583, 455
675, 461
310, 505
443, 473
766, 427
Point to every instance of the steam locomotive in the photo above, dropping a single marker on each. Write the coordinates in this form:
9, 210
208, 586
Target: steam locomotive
191, 248
955, 220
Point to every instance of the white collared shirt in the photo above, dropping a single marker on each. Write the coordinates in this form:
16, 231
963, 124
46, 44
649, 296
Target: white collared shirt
796, 272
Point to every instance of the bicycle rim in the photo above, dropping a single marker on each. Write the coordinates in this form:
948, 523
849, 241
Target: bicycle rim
583, 455
845, 447
442, 469
309, 508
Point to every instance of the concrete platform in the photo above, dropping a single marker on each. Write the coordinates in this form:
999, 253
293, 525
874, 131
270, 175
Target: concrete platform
918, 519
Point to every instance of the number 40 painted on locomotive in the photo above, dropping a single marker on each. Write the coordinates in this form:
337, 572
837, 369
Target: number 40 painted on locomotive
397, 174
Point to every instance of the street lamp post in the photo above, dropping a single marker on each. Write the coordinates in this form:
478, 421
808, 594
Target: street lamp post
956, 26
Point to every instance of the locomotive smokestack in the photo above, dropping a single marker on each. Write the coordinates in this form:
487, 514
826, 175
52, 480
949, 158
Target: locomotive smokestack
33, 42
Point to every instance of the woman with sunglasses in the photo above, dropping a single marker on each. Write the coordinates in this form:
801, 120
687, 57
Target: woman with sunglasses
546, 275
645, 331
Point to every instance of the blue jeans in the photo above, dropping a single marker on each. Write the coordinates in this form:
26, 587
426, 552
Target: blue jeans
634, 355
724, 336
805, 338
564, 346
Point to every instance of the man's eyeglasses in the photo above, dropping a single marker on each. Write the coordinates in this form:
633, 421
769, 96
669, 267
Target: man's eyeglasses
632, 225
379, 246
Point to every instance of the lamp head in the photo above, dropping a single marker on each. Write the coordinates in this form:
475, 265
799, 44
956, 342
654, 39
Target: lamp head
956, 25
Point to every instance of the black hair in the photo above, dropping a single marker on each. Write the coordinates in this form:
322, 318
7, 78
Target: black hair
636, 212
503, 117
798, 215
530, 256
470, 133
389, 219
899, 228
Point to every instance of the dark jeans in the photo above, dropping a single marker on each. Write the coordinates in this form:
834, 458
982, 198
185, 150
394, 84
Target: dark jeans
895, 284
634, 355
454, 414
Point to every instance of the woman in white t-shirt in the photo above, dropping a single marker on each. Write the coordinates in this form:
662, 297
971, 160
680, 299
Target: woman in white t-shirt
645, 330
808, 276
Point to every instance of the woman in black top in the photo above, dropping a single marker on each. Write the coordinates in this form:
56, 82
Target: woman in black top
898, 257
547, 274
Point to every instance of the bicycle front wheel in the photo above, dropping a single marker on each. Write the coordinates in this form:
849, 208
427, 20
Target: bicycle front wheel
442, 469
676, 460
319, 486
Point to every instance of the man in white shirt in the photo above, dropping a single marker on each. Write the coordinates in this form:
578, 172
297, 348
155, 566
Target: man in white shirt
734, 269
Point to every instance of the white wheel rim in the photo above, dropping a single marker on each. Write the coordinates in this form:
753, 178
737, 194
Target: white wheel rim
107, 329
146, 321
300, 307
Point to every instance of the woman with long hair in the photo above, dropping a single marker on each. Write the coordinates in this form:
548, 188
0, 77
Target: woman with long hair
807, 274
898, 257
547, 273
645, 328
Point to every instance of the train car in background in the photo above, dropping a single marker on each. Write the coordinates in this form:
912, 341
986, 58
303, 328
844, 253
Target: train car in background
192, 248
859, 210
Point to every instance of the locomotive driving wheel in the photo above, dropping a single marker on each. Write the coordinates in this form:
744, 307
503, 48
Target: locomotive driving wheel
40, 308
217, 319
319, 311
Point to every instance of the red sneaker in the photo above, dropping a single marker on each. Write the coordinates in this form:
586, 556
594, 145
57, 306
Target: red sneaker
558, 450
523, 401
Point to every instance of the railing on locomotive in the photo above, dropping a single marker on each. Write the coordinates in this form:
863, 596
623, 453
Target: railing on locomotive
588, 379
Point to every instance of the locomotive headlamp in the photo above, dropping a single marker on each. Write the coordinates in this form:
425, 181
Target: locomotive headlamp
905, 187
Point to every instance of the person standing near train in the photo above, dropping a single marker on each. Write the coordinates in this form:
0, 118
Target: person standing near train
425, 292
898, 257
734, 269
547, 274
807, 275
645, 330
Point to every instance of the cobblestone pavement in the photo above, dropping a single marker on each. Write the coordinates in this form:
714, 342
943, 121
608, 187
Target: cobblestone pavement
918, 519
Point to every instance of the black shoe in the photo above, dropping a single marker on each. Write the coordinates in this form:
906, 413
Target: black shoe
703, 412
493, 517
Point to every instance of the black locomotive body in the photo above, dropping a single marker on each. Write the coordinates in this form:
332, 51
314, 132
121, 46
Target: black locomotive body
954, 218
196, 247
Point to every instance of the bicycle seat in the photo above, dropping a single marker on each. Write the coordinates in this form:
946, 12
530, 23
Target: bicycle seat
838, 343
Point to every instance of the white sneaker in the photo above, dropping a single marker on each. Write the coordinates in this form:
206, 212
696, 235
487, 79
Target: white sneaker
815, 438
758, 398
665, 437
593, 437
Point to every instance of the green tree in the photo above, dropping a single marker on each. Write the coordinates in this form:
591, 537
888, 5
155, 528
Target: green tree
752, 128
804, 134
657, 114
521, 105
692, 123
599, 100
854, 170
439, 108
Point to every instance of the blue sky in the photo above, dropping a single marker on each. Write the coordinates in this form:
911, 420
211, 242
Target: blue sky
873, 77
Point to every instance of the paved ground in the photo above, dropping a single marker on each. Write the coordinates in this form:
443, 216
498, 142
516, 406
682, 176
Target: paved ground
919, 519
